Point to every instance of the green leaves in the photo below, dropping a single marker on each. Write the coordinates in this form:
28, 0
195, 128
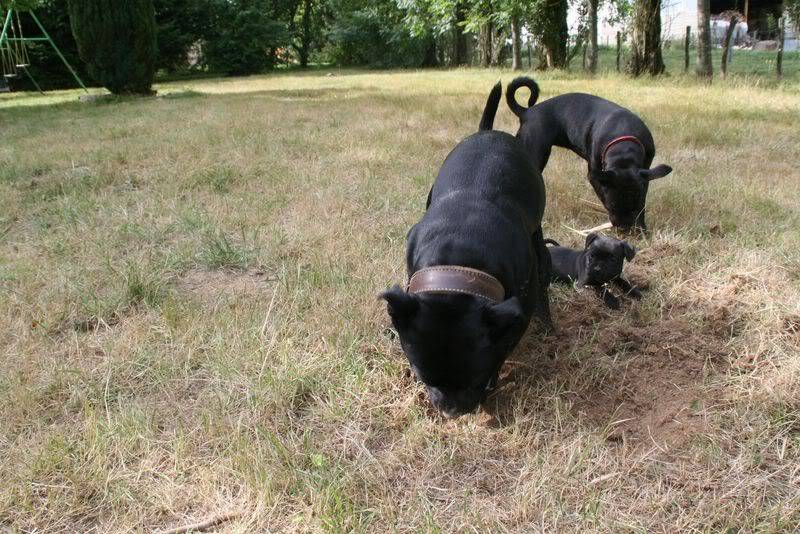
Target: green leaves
117, 41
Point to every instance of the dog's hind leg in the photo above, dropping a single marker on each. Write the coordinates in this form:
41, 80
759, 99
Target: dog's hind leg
543, 277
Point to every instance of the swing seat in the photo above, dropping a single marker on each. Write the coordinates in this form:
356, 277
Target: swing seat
9, 75
23, 65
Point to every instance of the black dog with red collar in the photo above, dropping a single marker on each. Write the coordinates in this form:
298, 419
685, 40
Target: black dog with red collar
615, 142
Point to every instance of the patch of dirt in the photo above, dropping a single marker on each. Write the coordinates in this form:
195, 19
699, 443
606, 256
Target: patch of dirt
212, 286
639, 380
654, 395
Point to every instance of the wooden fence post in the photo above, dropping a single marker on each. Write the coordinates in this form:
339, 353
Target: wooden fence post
619, 48
781, 36
726, 47
686, 49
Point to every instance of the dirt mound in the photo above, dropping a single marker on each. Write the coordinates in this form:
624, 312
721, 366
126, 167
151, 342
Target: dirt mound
639, 380
655, 392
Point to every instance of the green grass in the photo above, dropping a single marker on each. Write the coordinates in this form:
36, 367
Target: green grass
189, 328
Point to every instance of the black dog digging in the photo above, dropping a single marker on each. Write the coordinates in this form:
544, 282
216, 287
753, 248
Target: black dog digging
478, 268
598, 265
614, 141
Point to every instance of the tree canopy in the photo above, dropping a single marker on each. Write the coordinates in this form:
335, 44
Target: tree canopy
240, 37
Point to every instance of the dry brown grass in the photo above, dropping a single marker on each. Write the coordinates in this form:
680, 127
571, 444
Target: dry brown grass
189, 327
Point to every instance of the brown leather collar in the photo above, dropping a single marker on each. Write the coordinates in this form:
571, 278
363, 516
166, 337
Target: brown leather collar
456, 279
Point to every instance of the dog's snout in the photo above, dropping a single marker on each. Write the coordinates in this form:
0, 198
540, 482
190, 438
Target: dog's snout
451, 414
450, 406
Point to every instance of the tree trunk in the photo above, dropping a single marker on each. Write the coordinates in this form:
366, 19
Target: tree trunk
459, 37
646, 39
485, 43
583, 61
726, 47
305, 35
703, 67
430, 58
530, 54
619, 49
591, 45
499, 37
516, 45
554, 38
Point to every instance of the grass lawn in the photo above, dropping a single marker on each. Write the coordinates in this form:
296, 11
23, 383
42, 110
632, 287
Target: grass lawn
189, 328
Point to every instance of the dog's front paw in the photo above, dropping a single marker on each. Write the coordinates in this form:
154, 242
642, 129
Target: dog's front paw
610, 300
634, 293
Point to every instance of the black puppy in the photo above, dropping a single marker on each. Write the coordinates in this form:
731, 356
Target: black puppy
614, 141
598, 265
478, 268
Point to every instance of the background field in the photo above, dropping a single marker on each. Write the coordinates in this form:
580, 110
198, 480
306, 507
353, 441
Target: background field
188, 321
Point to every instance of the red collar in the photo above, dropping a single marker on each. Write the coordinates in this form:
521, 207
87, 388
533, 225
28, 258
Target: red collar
617, 141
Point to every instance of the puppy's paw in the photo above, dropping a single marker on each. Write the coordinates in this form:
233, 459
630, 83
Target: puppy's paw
610, 300
634, 293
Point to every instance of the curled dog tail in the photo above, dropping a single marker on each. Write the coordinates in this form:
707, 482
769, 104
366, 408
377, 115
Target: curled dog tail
551, 242
489, 112
516, 83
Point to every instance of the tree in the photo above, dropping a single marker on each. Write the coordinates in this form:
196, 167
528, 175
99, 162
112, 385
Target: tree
383, 34
117, 41
516, 44
547, 20
704, 68
247, 36
181, 25
591, 45
646, 39
307, 31
459, 37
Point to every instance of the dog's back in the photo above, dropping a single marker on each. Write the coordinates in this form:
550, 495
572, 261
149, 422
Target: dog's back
488, 191
564, 262
576, 121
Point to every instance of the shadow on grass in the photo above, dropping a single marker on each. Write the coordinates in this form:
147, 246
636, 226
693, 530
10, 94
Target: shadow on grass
49, 104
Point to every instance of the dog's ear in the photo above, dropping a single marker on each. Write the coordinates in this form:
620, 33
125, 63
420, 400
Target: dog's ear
504, 318
603, 177
630, 252
402, 306
590, 239
659, 171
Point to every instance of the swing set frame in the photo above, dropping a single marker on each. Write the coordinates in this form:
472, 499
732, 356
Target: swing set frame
6, 41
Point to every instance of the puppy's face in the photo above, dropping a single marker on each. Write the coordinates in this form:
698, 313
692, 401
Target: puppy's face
603, 258
623, 190
455, 344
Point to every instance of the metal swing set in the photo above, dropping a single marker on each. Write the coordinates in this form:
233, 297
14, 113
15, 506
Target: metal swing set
14, 56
